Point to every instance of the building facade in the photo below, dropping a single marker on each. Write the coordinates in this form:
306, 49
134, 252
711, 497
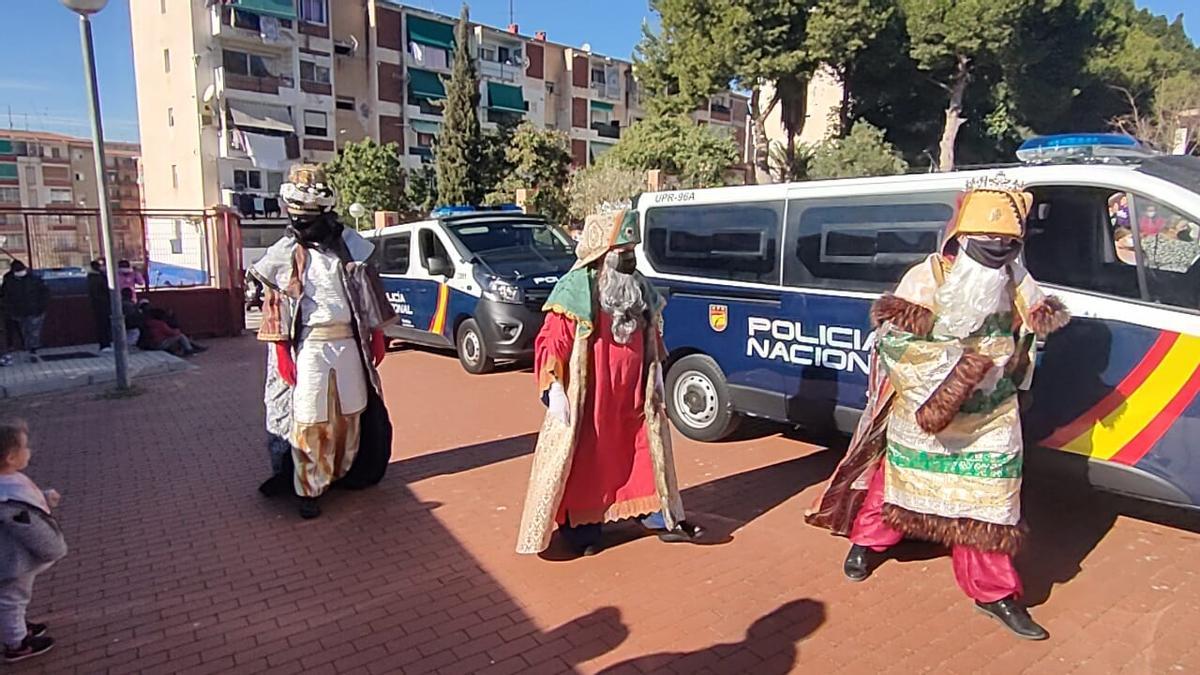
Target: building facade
231, 92
44, 176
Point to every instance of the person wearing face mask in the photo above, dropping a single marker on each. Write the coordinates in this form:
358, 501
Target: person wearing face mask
324, 311
604, 452
938, 451
24, 298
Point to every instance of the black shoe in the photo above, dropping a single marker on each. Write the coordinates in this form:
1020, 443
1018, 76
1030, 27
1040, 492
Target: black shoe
276, 486
683, 532
857, 566
30, 647
1015, 617
35, 629
198, 349
309, 508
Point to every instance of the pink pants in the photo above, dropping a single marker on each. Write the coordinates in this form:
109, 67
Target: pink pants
985, 577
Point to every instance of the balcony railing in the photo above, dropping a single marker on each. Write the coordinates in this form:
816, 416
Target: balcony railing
503, 72
610, 91
262, 85
607, 129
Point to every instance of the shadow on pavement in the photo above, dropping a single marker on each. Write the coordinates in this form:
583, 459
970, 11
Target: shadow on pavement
175, 557
769, 647
458, 460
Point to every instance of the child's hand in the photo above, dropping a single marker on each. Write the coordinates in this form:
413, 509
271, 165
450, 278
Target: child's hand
53, 498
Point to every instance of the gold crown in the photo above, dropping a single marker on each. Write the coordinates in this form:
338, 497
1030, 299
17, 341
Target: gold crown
998, 182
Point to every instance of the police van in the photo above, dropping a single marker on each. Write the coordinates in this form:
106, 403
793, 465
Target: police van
471, 280
769, 289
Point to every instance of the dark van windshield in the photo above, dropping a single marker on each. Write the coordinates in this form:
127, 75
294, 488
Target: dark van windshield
509, 239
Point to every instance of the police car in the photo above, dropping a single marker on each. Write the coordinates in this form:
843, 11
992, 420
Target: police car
769, 289
472, 280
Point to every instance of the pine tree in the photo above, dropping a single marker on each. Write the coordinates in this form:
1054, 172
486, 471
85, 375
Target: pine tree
459, 179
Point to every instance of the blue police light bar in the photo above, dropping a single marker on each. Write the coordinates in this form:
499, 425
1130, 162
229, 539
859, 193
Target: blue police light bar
1081, 147
445, 211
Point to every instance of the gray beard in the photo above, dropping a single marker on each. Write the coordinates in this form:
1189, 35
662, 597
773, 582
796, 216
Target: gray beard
621, 298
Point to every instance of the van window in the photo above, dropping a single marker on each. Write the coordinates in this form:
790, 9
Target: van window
432, 247
738, 242
395, 254
865, 243
1170, 251
1072, 240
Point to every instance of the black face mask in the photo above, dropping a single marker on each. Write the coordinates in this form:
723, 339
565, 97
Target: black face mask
320, 231
993, 252
627, 263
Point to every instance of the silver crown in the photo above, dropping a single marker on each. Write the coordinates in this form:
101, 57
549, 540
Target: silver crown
995, 181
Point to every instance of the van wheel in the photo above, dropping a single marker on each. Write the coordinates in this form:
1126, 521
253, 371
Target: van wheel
473, 350
698, 399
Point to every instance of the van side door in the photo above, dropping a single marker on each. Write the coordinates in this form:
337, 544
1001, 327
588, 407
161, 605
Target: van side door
1119, 384
393, 258
839, 255
436, 264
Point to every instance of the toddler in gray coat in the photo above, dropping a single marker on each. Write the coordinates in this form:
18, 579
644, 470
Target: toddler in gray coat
30, 542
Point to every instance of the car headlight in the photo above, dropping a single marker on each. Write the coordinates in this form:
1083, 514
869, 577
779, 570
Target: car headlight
503, 291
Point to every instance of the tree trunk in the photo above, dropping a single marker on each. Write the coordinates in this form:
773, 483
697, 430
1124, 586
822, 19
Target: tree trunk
762, 145
954, 120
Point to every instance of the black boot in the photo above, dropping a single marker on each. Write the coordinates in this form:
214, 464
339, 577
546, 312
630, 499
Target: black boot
1015, 617
309, 508
683, 532
857, 567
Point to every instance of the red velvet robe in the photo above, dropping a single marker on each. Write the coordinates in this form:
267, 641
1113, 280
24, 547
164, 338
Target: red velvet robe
612, 474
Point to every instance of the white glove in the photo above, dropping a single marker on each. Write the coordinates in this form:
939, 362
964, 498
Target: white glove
559, 408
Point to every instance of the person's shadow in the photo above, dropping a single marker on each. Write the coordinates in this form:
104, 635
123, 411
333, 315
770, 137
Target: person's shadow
768, 648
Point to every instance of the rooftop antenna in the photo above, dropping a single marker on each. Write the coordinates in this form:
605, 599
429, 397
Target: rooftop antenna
512, 15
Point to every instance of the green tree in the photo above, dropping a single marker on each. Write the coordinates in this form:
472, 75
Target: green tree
370, 174
460, 178
675, 145
863, 152
538, 160
759, 45
952, 40
601, 183
838, 33
420, 190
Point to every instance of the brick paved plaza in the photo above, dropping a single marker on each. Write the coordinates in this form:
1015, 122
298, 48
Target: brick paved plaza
177, 564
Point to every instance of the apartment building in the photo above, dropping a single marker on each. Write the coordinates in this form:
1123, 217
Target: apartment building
43, 172
231, 92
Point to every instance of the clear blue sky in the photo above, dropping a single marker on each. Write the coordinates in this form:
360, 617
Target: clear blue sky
42, 78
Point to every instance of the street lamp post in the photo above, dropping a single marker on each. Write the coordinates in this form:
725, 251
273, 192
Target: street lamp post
85, 8
357, 211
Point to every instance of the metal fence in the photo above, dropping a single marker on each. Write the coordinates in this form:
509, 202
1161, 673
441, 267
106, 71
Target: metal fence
168, 248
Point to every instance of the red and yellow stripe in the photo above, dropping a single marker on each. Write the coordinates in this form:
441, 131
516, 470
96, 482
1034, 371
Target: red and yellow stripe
1127, 422
438, 323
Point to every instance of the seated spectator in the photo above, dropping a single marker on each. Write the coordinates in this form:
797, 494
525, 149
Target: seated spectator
161, 335
134, 320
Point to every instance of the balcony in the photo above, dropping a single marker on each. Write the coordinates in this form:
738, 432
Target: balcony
502, 72
263, 85
607, 129
242, 28
610, 91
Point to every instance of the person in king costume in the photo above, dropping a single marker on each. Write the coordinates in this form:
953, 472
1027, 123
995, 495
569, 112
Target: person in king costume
937, 454
604, 452
324, 311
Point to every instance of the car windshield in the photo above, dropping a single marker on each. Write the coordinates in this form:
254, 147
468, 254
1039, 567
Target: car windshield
512, 239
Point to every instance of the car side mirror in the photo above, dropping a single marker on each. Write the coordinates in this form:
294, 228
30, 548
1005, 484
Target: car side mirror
438, 267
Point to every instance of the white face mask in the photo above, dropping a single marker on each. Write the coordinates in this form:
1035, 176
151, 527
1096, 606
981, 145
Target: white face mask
20, 274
